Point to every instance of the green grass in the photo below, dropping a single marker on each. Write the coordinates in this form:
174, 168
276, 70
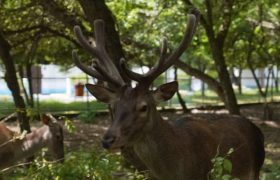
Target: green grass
7, 107
210, 98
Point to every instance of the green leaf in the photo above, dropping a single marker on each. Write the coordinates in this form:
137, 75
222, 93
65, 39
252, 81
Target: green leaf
226, 177
227, 165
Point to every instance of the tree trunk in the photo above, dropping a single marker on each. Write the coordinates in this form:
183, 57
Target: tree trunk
236, 79
239, 82
12, 83
275, 77
230, 98
216, 38
180, 99
99, 10
203, 87
211, 82
30, 84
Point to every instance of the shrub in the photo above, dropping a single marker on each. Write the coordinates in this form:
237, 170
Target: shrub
271, 172
96, 164
222, 167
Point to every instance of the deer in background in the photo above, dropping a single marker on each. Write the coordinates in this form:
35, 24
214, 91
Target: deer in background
179, 151
14, 149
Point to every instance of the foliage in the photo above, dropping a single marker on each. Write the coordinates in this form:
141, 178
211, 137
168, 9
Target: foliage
271, 172
23, 22
69, 125
143, 24
95, 164
260, 28
222, 167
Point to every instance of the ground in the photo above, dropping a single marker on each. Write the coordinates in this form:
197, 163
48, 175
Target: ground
87, 134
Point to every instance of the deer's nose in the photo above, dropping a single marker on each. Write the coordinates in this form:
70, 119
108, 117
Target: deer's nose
108, 140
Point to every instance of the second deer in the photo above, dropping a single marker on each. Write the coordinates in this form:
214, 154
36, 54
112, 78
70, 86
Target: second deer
178, 151
13, 150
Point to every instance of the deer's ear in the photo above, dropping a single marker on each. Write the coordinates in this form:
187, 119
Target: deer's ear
46, 120
101, 93
165, 91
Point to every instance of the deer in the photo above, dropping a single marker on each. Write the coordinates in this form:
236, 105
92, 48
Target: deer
14, 149
180, 149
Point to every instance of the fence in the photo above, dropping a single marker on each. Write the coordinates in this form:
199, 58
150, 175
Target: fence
69, 94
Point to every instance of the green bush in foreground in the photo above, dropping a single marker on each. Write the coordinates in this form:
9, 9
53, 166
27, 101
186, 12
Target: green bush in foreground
93, 165
222, 167
97, 164
271, 172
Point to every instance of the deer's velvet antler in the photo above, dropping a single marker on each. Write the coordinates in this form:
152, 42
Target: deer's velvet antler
104, 69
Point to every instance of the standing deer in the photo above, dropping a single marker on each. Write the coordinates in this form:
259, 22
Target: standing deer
179, 151
13, 150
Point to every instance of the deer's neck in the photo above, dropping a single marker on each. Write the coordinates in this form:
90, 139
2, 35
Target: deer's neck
156, 146
32, 143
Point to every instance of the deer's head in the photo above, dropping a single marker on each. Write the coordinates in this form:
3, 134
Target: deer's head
55, 137
133, 108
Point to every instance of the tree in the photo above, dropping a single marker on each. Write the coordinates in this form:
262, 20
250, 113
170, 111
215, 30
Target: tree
12, 82
216, 22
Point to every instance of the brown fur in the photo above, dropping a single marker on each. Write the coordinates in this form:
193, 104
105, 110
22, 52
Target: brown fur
184, 150
5, 150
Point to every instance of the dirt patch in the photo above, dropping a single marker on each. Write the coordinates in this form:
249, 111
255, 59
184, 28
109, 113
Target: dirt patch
85, 135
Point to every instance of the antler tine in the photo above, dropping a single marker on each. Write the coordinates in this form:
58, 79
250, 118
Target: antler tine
105, 60
99, 33
162, 53
138, 77
165, 63
130, 74
105, 68
83, 41
84, 68
191, 27
105, 74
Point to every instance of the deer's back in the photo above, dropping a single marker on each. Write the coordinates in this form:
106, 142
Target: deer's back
6, 148
215, 134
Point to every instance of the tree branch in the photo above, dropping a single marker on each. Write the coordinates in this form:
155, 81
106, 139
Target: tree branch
227, 14
22, 8
211, 82
23, 30
207, 26
61, 14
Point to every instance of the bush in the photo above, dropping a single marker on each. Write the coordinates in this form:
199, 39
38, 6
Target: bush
271, 172
222, 167
96, 164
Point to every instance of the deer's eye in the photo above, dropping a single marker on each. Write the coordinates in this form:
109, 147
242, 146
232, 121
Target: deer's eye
143, 108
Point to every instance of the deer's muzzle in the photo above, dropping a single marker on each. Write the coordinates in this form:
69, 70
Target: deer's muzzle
108, 140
